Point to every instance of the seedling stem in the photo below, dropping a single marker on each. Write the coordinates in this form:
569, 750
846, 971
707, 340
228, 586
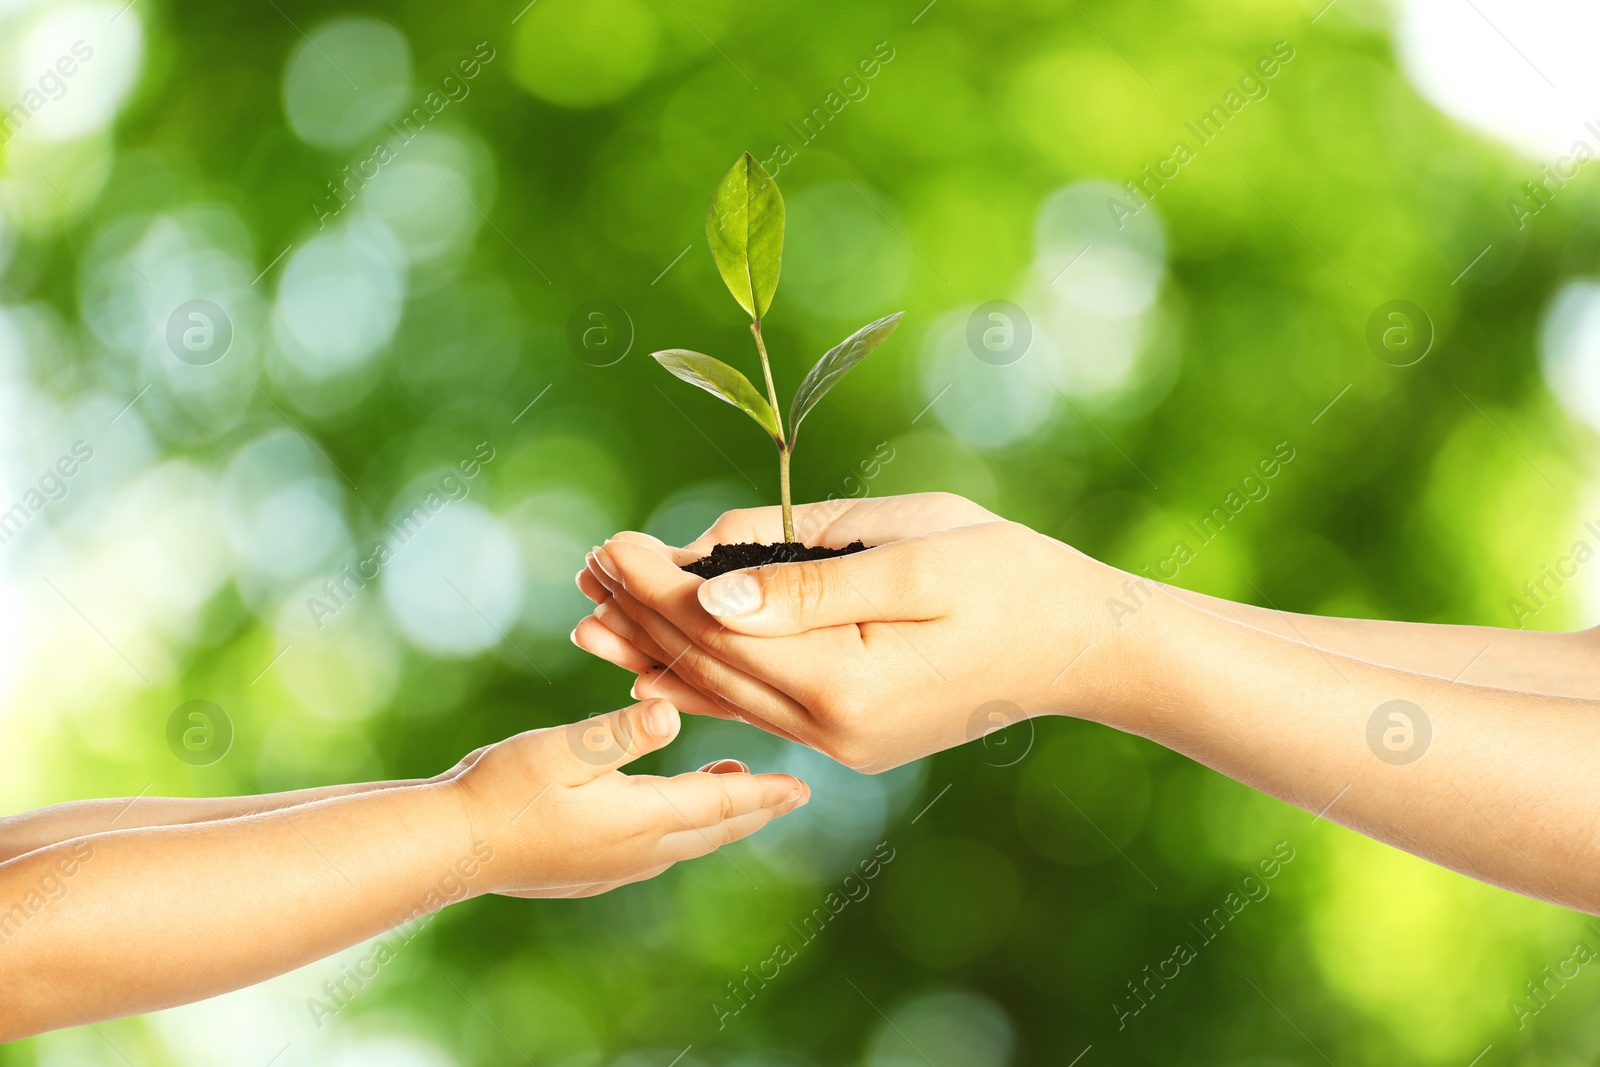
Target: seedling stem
744, 226
783, 444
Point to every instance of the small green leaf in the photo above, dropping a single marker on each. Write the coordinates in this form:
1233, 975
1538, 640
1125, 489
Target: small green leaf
827, 371
744, 227
719, 379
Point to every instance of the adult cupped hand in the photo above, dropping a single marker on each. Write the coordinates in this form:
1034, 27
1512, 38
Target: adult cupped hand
875, 658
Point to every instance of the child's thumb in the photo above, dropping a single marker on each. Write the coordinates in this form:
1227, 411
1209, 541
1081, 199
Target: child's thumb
617, 738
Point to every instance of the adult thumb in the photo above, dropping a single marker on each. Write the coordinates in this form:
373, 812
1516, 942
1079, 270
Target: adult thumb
617, 738
878, 585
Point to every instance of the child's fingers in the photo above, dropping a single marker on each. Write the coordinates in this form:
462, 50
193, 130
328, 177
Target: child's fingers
699, 801
692, 844
594, 637
615, 739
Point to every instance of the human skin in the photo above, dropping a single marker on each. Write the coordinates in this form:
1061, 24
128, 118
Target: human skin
887, 655
159, 915
28, 830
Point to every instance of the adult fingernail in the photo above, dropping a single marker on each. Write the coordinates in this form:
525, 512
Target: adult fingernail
794, 795
730, 596
607, 564
660, 717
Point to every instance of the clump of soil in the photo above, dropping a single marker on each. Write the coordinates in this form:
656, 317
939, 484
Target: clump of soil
725, 558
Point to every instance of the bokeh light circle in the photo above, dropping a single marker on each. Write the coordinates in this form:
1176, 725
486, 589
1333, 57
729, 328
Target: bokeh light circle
1100, 261
340, 298
454, 587
842, 260
1569, 350
74, 70
345, 80
585, 55
199, 332
985, 406
964, 1027
199, 733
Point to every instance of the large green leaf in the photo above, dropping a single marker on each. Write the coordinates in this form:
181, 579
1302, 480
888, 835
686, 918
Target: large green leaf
827, 371
744, 227
719, 379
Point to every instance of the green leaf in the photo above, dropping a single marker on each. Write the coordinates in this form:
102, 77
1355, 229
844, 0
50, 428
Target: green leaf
827, 371
744, 227
719, 379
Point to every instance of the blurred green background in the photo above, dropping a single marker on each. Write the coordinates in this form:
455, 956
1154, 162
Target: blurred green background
389, 300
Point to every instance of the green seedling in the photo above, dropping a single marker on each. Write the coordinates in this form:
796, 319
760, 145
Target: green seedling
744, 227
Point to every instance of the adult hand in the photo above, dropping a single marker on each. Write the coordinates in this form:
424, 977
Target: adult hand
831, 523
837, 523
564, 821
874, 658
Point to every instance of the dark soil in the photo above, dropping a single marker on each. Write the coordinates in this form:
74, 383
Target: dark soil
725, 558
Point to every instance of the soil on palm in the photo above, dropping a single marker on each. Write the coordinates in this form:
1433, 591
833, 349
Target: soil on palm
725, 558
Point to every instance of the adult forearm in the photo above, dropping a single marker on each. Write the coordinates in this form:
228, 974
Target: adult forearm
1558, 664
24, 832
1500, 785
183, 912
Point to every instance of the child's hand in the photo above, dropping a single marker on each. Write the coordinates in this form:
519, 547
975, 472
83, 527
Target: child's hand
564, 821
544, 813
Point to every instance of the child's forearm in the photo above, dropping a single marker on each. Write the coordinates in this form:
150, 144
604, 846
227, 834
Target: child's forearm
177, 913
29, 830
